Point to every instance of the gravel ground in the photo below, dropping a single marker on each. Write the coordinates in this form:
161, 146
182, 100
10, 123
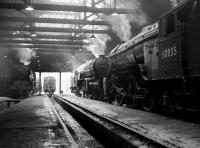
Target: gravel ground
178, 133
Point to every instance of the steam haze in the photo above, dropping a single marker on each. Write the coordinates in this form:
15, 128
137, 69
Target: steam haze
98, 44
25, 55
144, 12
121, 24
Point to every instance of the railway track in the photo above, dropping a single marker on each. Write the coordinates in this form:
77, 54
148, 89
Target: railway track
109, 132
62, 124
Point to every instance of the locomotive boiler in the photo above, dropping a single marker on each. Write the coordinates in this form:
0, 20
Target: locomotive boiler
159, 67
132, 64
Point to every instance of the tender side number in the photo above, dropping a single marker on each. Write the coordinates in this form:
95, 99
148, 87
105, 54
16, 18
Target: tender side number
170, 52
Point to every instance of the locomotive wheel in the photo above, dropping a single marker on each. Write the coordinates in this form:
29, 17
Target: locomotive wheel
148, 102
132, 103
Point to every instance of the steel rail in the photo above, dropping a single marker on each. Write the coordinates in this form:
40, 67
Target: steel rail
153, 141
67, 133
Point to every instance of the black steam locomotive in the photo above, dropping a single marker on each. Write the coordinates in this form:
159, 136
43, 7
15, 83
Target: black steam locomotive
16, 80
89, 77
159, 67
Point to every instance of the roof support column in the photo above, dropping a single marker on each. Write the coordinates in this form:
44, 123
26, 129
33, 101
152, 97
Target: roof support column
60, 91
40, 83
85, 17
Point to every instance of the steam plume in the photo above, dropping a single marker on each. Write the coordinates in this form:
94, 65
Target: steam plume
25, 55
143, 13
121, 24
127, 25
98, 44
175, 2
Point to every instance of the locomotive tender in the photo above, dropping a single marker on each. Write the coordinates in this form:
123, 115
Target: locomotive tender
159, 67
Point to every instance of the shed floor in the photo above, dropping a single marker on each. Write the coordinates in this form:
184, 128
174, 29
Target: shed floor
30, 124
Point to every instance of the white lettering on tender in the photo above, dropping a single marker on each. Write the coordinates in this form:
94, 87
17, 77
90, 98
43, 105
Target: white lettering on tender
170, 52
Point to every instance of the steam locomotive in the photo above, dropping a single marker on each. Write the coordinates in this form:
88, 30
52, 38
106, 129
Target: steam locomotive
88, 78
16, 80
158, 68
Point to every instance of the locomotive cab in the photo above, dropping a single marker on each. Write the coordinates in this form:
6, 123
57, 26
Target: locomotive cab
169, 46
179, 41
178, 44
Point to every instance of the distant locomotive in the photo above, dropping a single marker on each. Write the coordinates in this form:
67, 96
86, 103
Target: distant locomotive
22, 83
16, 80
158, 68
49, 85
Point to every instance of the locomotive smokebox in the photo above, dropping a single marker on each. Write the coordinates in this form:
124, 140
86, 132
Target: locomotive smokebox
96, 69
101, 66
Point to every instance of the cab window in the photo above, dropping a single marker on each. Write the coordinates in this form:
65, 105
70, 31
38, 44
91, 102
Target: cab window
167, 24
170, 24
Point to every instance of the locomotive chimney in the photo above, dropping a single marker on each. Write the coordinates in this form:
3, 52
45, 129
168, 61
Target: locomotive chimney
102, 56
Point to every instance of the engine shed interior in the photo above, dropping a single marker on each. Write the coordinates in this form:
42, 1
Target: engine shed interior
99, 73
52, 35
55, 35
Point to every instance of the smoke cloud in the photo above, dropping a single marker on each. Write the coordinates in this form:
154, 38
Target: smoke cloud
25, 55
125, 26
98, 44
121, 24
143, 13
